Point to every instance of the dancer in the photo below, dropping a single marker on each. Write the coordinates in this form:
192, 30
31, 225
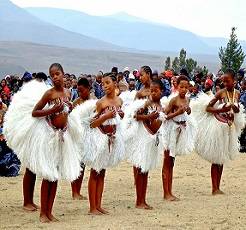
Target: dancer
17, 124
220, 123
84, 95
178, 133
102, 139
142, 129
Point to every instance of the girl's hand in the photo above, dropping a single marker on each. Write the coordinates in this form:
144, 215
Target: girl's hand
226, 108
188, 110
181, 110
57, 108
110, 114
121, 113
235, 108
153, 115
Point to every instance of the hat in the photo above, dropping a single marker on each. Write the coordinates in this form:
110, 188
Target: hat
192, 83
27, 76
209, 82
126, 69
155, 72
168, 73
131, 76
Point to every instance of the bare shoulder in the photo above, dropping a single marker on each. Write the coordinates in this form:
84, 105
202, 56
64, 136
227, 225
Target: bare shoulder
100, 104
67, 92
48, 93
173, 100
120, 101
220, 94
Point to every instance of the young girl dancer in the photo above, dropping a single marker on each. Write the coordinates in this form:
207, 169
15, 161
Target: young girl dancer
220, 123
102, 139
84, 95
51, 142
18, 121
178, 134
145, 78
142, 129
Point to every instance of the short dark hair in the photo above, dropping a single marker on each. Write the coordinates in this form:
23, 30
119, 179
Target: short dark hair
231, 72
182, 78
84, 82
111, 75
147, 70
58, 66
41, 76
159, 83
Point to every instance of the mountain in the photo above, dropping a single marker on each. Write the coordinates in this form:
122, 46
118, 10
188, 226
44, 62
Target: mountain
124, 30
16, 57
122, 16
19, 25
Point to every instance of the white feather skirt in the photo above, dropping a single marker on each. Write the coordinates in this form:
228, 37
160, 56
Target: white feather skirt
39, 147
177, 138
144, 150
217, 142
127, 98
95, 151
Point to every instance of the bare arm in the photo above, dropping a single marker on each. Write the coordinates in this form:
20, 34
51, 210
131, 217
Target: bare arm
236, 108
38, 110
169, 113
97, 121
210, 108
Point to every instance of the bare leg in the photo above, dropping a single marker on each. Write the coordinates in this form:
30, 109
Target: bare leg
92, 189
167, 176
214, 177
139, 186
76, 187
52, 194
29, 180
141, 189
44, 201
99, 192
144, 191
170, 185
220, 171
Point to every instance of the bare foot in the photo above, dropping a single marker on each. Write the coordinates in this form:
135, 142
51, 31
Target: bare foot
144, 206
79, 197
94, 212
52, 218
218, 192
35, 206
29, 208
44, 219
171, 198
103, 211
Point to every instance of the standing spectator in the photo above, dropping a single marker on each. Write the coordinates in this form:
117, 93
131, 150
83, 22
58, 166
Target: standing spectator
166, 86
3, 109
5, 88
97, 86
5, 100
208, 87
131, 85
242, 139
122, 83
174, 85
126, 73
74, 90
114, 71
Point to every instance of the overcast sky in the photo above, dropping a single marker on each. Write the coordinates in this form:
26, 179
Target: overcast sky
205, 17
